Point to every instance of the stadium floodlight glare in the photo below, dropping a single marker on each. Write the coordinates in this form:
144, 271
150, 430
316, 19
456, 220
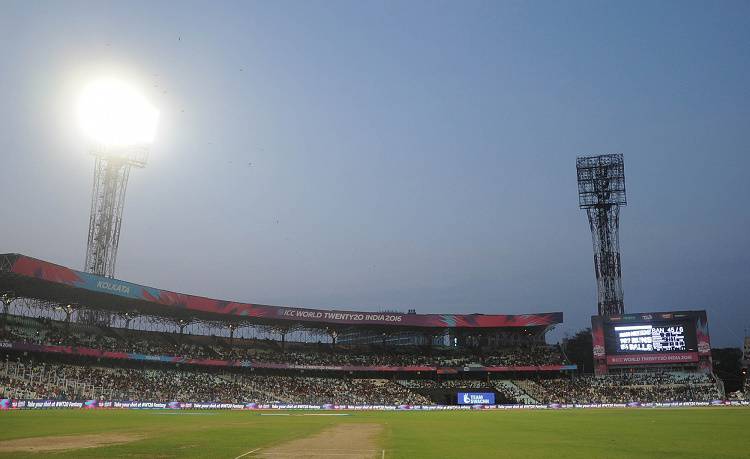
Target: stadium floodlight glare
115, 114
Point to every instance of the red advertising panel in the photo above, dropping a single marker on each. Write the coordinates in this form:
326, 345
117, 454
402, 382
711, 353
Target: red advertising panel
31, 268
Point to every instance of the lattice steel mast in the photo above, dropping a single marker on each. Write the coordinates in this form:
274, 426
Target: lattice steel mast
601, 192
111, 172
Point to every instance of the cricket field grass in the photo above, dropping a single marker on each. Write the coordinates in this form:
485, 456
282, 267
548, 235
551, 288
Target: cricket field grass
598, 433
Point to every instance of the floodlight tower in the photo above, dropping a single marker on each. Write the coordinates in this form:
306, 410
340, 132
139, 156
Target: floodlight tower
121, 124
601, 191
111, 172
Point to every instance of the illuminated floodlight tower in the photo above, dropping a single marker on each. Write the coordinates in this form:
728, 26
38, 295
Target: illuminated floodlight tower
121, 124
601, 192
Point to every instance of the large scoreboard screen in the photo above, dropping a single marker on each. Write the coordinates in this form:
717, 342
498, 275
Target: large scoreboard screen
656, 338
651, 337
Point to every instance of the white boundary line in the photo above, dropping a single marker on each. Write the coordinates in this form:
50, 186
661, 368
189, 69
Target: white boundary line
249, 452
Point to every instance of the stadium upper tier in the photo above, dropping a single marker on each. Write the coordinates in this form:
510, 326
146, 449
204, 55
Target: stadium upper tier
22, 276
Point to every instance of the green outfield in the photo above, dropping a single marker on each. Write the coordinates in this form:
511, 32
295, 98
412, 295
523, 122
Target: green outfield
660, 433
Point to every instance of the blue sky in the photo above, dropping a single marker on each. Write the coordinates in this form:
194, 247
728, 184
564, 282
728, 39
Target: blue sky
373, 155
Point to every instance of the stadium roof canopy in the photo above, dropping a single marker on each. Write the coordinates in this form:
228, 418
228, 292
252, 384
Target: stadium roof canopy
22, 276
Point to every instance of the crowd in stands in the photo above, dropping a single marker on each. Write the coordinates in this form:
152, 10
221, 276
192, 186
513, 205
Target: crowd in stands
315, 390
625, 388
517, 356
27, 379
508, 393
341, 358
746, 389
420, 383
512, 392
641, 387
24, 378
538, 355
66, 382
47, 332
445, 384
50, 333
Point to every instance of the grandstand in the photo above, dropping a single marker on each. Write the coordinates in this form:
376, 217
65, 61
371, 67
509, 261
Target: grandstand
48, 339
161, 346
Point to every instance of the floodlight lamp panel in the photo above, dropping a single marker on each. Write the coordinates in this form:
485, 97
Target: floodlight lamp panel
114, 114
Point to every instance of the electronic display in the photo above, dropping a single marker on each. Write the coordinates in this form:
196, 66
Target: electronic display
656, 337
476, 398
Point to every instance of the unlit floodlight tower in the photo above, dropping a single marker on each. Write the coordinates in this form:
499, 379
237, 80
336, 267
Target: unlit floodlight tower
601, 191
122, 124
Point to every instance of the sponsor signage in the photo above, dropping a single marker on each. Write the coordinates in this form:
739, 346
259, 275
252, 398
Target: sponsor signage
476, 398
641, 359
12, 404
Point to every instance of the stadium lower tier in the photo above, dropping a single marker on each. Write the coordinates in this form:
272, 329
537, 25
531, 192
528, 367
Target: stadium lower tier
23, 377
